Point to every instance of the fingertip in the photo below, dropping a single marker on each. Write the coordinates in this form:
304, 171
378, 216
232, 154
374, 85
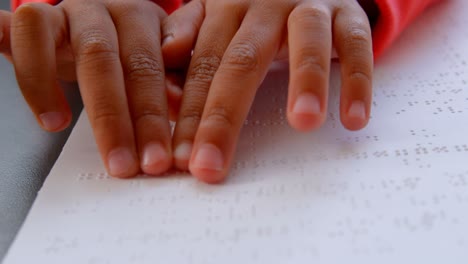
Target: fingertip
355, 124
182, 153
122, 163
167, 40
356, 117
207, 164
306, 113
174, 83
180, 31
177, 52
210, 179
207, 175
305, 122
54, 121
156, 160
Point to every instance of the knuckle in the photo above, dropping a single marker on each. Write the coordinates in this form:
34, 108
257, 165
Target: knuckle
28, 16
309, 62
360, 74
192, 117
236, 8
29, 11
105, 115
94, 43
151, 115
357, 36
204, 68
243, 57
308, 13
220, 116
102, 110
32, 78
193, 109
142, 64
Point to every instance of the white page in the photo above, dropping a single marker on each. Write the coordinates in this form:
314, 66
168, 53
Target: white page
395, 192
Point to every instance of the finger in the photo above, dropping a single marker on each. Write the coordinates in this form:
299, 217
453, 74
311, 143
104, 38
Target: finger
35, 30
310, 42
174, 83
353, 42
140, 52
243, 68
99, 71
5, 24
215, 36
180, 31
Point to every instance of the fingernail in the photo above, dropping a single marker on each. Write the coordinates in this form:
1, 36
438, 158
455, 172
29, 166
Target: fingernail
52, 120
307, 104
153, 155
174, 89
167, 39
209, 157
183, 151
357, 110
120, 161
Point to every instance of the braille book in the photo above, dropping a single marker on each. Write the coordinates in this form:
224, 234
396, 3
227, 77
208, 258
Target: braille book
395, 192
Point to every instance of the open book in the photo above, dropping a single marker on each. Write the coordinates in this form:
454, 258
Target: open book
395, 192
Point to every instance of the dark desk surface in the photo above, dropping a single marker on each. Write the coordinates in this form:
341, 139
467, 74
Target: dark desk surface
26, 152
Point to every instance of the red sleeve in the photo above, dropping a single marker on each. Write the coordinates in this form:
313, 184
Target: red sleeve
395, 15
168, 5
16, 3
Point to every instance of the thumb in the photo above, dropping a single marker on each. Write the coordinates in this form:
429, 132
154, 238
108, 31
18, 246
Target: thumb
180, 31
5, 22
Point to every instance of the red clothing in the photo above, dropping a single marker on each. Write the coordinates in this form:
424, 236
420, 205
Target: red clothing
168, 5
395, 15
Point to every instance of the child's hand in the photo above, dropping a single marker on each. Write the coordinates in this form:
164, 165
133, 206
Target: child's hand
237, 41
113, 46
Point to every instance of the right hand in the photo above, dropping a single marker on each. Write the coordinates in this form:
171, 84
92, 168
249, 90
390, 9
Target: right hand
234, 43
112, 49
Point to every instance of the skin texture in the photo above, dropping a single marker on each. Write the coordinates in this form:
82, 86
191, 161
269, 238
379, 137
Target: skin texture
215, 53
237, 41
108, 47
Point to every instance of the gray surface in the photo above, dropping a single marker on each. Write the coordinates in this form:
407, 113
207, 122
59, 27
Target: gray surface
26, 152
